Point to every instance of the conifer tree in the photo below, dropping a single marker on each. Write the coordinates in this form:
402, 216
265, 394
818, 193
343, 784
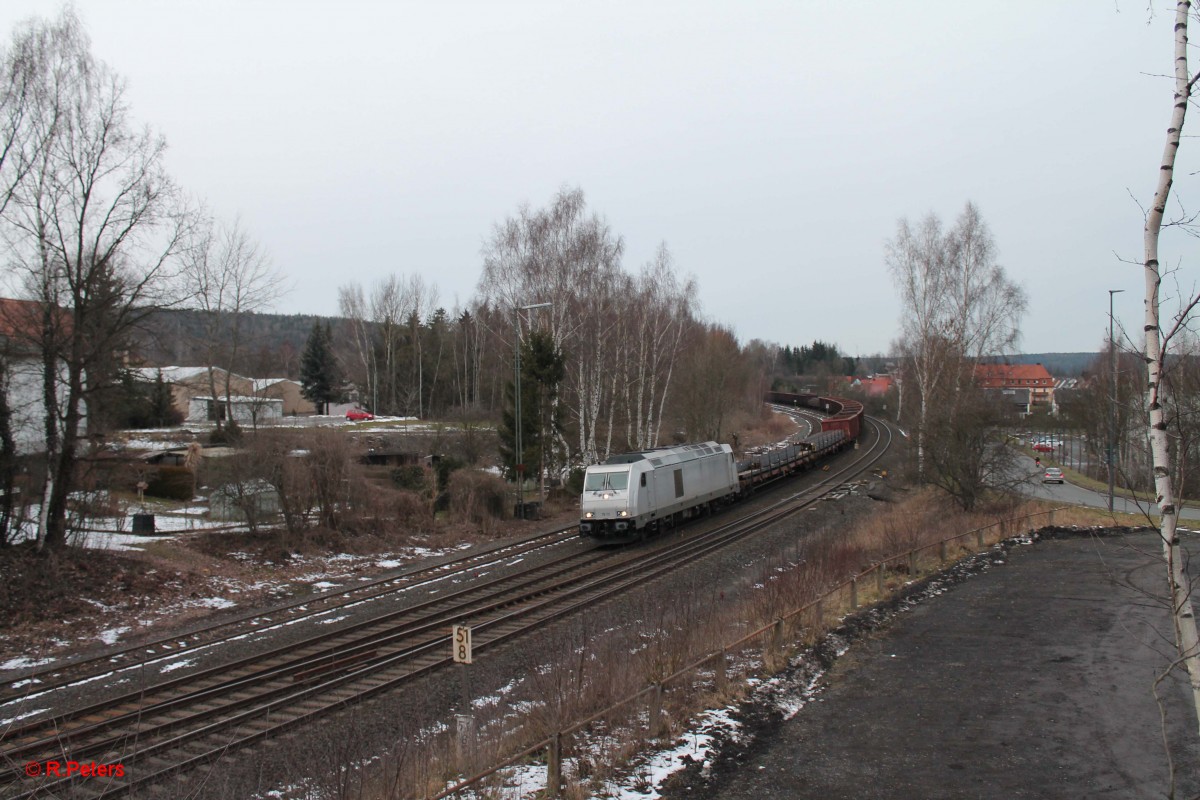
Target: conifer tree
318, 369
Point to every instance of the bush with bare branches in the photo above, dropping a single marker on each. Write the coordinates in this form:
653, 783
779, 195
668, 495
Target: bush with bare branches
477, 497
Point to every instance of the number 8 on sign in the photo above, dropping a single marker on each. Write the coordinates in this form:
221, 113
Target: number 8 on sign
460, 636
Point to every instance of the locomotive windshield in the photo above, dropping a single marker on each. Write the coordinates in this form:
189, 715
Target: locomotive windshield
599, 481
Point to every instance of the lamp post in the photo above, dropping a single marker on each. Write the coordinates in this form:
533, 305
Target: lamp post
518, 450
1112, 406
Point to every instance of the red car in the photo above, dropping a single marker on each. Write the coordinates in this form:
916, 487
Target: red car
1043, 447
358, 415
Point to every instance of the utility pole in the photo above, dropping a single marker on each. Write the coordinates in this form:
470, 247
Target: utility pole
1112, 405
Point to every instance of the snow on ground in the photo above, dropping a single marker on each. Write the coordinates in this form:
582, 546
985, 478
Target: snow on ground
6, 722
156, 444
215, 602
113, 635
22, 662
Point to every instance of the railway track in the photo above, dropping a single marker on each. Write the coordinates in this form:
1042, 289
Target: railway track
137, 657
167, 728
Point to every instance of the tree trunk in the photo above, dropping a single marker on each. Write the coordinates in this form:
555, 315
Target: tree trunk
1177, 582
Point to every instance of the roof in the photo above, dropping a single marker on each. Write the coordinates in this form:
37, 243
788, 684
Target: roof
170, 374
996, 375
877, 385
660, 456
21, 320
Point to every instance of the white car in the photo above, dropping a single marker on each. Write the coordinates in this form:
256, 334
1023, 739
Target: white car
1053, 475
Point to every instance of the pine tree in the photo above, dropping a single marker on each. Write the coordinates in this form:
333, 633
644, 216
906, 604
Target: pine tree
318, 369
542, 371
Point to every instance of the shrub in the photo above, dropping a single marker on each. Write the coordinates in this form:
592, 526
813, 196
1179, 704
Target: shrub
411, 477
229, 434
477, 497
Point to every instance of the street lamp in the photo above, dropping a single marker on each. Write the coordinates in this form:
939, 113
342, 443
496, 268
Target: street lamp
518, 450
1112, 406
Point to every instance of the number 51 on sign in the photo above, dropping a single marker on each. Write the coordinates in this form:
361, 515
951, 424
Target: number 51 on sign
461, 640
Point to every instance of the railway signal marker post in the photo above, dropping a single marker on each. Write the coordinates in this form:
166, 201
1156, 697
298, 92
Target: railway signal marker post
460, 646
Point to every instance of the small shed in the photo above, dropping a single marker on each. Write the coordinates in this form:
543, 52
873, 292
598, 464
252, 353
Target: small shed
233, 500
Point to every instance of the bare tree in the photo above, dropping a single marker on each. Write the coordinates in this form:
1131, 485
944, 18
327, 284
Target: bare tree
352, 305
957, 307
93, 226
1157, 341
228, 275
662, 313
712, 381
918, 261
564, 256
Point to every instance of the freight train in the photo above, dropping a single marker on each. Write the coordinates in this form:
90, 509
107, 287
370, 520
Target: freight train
634, 494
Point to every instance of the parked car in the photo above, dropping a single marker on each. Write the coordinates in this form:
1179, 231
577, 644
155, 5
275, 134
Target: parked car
1053, 475
359, 415
1044, 447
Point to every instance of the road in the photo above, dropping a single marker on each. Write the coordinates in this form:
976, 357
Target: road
1077, 495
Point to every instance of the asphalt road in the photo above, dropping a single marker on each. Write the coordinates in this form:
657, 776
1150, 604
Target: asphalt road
1030, 679
1077, 495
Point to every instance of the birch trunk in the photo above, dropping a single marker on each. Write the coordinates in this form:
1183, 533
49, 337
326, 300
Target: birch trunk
1181, 605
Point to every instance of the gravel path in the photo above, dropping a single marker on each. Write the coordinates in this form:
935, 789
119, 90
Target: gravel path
1032, 679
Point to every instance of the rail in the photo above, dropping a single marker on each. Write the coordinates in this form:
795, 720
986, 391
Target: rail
773, 647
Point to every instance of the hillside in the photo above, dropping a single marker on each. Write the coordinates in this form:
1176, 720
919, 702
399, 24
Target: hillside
1060, 365
271, 343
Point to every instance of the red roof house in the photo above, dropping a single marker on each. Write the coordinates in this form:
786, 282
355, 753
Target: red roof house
1033, 377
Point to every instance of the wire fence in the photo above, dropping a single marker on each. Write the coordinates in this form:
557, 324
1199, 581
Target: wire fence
762, 650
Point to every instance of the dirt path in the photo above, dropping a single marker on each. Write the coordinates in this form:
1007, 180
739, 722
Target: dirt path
1032, 679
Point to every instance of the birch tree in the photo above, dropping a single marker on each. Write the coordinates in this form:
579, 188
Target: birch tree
958, 306
662, 312
567, 257
918, 260
94, 226
227, 274
1157, 340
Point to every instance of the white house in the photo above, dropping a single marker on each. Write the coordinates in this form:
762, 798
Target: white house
21, 380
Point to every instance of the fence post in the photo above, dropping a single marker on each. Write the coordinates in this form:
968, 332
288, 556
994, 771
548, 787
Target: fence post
979, 538
912, 563
655, 711
820, 614
554, 766
942, 551
722, 676
879, 577
854, 592
464, 740
774, 647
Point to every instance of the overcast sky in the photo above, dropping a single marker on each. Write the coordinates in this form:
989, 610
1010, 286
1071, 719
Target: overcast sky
772, 145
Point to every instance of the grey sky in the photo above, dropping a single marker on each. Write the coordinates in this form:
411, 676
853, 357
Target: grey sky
772, 145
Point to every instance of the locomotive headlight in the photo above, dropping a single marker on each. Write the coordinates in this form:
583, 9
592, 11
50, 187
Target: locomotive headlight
622, 513
588, 515
605, 496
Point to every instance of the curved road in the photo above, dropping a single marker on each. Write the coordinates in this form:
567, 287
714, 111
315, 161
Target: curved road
1077, 495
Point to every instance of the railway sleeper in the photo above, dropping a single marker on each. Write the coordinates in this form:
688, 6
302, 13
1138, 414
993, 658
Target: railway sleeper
337, 665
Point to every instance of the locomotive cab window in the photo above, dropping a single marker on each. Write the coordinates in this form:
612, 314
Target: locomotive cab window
643, 480
599, 481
